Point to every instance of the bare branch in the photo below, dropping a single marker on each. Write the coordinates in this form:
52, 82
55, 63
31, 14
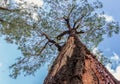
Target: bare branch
67, 22
43, 47
78, 21
80, 32
10, 10
51, 41
78, 25
2, 8
71, 11
62, 34
38, 54
67, 19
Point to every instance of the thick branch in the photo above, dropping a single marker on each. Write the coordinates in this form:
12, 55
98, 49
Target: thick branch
62, 34
51, 41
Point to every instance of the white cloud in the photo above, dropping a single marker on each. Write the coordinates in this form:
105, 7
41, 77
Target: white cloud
94, 51
115, 57
97, 52
108, 66
116, 72
107, 17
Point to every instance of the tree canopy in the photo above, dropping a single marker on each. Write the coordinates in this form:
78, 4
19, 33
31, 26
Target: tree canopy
40, 30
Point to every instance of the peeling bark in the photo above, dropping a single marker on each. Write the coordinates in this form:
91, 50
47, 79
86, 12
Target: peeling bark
76, 65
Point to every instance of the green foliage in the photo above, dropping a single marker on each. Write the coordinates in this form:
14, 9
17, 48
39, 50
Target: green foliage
23, 25
28, 65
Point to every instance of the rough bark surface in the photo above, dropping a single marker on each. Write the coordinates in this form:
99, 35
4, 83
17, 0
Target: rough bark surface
76, 65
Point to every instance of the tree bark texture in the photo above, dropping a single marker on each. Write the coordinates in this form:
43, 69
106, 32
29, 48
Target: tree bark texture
76, 65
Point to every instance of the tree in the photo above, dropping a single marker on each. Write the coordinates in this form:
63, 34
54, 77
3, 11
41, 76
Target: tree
41, 38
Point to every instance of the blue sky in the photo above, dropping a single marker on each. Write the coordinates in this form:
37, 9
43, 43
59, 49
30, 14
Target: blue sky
8, 54
110, 48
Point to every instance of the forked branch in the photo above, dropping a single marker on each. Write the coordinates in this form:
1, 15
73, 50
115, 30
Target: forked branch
67, 19
43, 47
38, 54
62, 34
51, 41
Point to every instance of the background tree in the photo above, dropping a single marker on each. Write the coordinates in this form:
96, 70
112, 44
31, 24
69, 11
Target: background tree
39, 38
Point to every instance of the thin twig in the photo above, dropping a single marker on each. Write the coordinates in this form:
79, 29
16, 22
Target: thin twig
43, 47
78, 21
71, 11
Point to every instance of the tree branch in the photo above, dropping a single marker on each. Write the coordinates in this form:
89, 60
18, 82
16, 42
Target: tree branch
80, 32
71, 11
2, 8
78, 25
10, 10
62, 34
67, 19
43, 47
51, 41
67, 22
38, 54
78, 21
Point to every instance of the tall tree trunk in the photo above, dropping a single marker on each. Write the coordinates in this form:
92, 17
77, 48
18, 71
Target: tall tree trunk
76, 65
